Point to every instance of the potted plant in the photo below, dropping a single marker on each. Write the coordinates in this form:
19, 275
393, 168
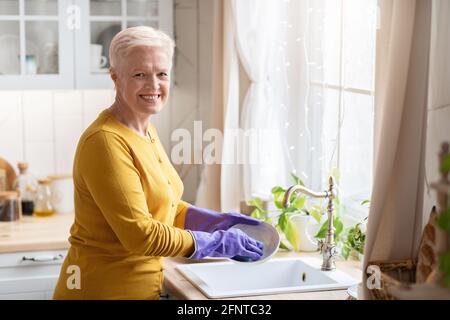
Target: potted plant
350, 241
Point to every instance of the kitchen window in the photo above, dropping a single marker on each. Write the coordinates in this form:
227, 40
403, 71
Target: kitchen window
328, 59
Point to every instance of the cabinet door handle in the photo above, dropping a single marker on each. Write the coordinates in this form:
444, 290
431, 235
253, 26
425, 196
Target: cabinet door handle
43, 258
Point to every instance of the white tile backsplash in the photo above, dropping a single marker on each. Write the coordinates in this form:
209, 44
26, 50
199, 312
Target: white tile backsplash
67, 133
43, 127
68, 103
94, 101
41, 157
38, 115
11, 126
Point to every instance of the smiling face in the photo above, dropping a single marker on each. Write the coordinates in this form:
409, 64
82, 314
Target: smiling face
142, 80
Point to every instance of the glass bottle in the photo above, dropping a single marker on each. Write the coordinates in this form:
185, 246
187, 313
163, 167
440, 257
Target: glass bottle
42, 201
10, 206
26, 185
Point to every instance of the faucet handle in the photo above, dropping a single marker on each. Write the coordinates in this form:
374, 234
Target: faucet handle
321, 245
334, 251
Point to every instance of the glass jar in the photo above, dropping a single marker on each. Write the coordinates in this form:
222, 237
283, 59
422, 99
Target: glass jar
43, 199
26, 185
10, 209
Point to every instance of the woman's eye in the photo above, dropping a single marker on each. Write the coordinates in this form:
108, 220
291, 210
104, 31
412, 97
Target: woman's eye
163, 74
139, 75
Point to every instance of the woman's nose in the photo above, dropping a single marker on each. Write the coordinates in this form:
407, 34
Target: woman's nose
152, 83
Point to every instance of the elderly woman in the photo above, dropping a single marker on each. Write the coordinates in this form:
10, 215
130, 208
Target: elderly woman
128, 208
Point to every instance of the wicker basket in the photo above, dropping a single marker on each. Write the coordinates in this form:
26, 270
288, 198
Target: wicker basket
399, 272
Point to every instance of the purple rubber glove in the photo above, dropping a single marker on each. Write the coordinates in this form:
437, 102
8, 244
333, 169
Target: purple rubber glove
201, 219
227, 244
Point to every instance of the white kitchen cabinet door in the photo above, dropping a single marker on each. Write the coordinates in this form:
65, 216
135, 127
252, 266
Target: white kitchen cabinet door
30, 275
64, 44
100, 21
36, 45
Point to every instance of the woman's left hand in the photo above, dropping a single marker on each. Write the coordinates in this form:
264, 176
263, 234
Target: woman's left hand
201, 219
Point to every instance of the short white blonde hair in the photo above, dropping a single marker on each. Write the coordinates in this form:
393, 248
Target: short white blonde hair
125, 40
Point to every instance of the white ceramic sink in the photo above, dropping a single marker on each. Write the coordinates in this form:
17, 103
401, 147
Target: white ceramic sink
279, 275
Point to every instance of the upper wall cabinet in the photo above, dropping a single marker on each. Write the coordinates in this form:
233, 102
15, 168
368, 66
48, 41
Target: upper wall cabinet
64, 44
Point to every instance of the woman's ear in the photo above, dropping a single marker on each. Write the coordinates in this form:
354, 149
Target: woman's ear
113, 74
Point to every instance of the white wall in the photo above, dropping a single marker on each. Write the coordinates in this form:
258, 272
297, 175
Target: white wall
42, 127
191, 98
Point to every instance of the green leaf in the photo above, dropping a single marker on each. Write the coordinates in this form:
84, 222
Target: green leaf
256, 214
297, 180
299, 202
444, 267
338, 227
445, 164
292, 235
444, 220
282, 221
258, 203
322, 231
283, 246
354, 240
278, 197
290, 209
345, 252
277, 189
364, 202
316, 212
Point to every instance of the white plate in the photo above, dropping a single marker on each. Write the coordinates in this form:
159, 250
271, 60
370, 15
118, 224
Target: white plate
264, 232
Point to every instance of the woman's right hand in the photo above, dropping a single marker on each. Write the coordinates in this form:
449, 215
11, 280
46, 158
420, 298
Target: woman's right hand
227, 244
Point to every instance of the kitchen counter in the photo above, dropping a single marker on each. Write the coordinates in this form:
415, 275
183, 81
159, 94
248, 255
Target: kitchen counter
35, 233
51, 233
178, 287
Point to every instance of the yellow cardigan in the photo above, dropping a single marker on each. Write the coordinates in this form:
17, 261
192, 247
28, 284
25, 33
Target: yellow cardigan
128, 215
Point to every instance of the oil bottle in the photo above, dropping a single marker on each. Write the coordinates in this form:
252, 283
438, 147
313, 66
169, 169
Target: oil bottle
42, 202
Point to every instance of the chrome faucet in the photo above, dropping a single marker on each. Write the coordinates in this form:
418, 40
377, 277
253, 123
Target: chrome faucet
327, 247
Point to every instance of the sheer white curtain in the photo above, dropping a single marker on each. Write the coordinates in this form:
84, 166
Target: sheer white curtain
310, 65
328, 55
252, 162
257, 35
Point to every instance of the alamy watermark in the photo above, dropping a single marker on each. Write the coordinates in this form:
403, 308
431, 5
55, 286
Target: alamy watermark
374, 280
252, 146
74, 279
73, 20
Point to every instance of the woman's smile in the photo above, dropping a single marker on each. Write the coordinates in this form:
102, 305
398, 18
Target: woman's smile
151, 98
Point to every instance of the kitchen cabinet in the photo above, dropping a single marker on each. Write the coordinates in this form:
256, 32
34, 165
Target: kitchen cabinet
29, 274
64, 44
